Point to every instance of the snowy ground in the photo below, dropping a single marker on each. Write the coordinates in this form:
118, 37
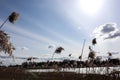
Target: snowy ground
97, 70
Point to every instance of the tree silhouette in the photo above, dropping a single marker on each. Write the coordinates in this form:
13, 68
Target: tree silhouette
31, 58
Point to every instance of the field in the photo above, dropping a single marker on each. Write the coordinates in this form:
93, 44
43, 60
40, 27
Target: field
22, 74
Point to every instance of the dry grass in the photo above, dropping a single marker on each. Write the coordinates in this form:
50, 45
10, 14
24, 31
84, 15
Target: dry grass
21, 74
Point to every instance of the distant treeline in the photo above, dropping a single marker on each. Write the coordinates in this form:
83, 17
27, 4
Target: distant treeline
71, 64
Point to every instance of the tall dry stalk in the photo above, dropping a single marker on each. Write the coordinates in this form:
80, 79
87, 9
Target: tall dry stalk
5, 44
12, 18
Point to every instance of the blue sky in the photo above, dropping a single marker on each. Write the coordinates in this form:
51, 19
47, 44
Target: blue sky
63, 23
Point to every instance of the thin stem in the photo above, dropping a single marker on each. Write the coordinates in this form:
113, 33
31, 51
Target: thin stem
53, 55
82, 49
3, 23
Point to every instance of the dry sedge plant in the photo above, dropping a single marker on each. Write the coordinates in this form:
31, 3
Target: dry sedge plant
5, 44
58, 51
13, 17
94, 41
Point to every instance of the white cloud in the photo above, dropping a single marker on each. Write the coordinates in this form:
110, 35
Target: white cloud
50, 46
25, 48
107, 31
107, 39
113, 35
107, 28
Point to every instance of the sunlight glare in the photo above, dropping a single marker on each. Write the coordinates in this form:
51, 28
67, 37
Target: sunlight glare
91, 7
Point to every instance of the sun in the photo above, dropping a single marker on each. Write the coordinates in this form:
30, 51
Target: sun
91, 7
